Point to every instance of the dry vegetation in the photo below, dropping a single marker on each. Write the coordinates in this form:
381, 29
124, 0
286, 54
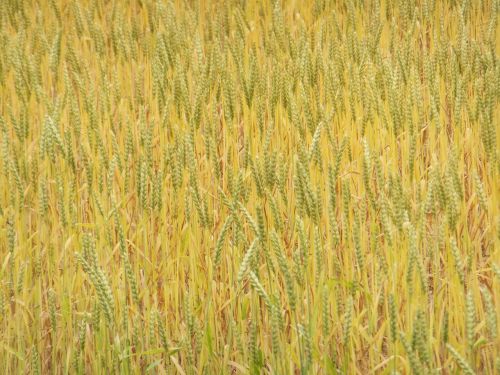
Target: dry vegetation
247, 187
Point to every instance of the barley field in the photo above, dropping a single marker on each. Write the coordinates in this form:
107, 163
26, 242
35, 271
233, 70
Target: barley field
249, 187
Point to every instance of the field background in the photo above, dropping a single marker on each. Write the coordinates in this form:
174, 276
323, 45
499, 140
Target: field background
249, 187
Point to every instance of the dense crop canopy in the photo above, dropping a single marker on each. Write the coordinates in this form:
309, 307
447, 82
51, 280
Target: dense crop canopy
249, 187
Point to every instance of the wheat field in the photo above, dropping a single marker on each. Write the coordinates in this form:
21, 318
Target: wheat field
249, 187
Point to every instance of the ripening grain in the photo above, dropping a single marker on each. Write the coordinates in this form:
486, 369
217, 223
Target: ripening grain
249, 187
